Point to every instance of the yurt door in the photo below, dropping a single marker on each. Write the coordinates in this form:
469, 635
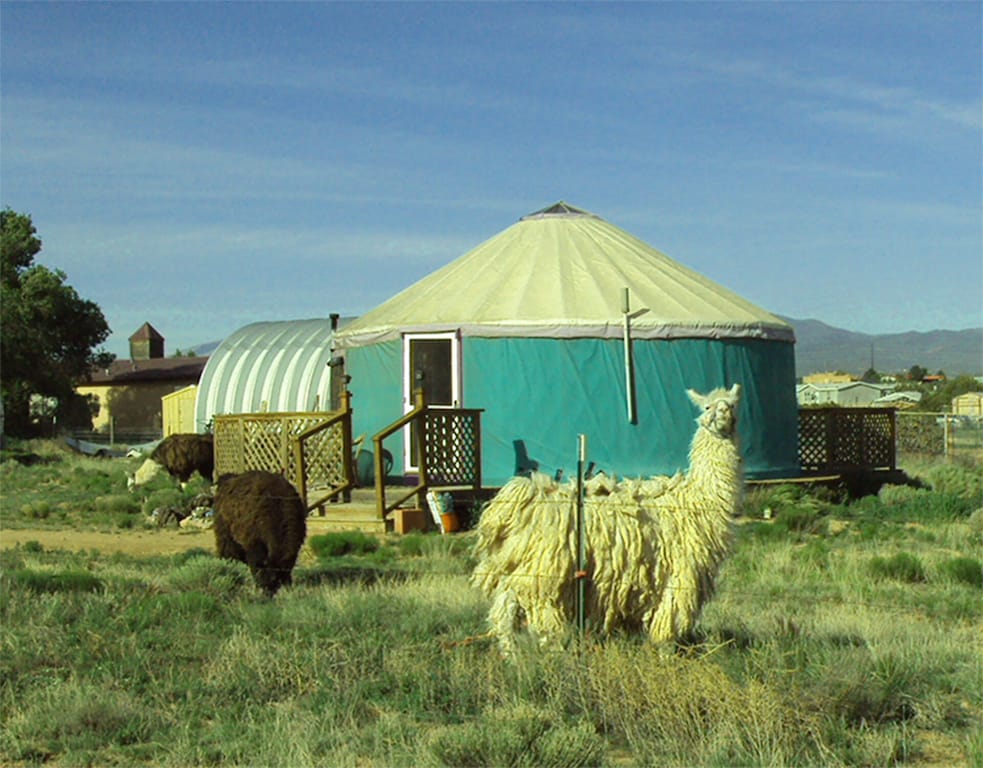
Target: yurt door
433, 361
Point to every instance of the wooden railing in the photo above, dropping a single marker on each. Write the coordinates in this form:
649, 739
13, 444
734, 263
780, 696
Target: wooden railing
313, 450
420, 490
324, 458
448, 449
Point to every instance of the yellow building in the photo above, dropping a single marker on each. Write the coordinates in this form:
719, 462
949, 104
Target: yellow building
968, 404
828, 378
127, 396
179, 410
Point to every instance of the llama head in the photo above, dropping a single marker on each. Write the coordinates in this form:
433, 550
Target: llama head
718, 409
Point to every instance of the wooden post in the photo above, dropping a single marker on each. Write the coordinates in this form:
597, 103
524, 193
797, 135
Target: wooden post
627, 317
346, 442
420, 403
301, 475
380, 481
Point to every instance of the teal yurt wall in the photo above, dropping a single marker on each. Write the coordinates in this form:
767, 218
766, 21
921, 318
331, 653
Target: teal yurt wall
537, 317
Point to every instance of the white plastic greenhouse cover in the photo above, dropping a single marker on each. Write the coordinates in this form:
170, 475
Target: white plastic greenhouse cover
268, 367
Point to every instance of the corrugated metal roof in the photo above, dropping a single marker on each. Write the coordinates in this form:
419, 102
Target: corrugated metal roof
268, 367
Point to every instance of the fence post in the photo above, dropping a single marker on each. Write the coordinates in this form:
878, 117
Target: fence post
581, 574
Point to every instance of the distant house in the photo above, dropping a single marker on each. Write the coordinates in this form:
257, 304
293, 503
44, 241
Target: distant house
846, 394
899, 400
968, 404
827, 378
128, 393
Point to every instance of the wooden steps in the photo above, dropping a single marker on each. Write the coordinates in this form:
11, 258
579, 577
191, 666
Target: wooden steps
361, 514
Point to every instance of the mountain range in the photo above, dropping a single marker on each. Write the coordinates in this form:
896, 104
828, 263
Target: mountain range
820, 347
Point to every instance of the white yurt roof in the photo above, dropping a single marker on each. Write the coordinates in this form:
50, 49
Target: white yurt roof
562, 273
268, 367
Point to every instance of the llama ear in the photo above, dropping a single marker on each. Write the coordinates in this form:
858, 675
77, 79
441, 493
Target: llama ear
698, 400
735, 393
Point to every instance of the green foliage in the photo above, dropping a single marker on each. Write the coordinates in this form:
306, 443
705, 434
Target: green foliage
210, 576
902, 566
813, 652
53, 581
342, 543
939, 398
122, 503
49, 332
519, 736
37, 510
953, 479
906, 506
65, 717
963, 570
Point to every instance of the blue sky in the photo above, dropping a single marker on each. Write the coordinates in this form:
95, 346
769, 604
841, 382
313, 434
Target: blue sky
202, 166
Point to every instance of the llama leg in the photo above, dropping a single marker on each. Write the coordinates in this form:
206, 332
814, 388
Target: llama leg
257, 558
548, 622
677, 611
503, 618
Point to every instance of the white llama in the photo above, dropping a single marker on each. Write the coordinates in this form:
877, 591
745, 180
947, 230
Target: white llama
653, 546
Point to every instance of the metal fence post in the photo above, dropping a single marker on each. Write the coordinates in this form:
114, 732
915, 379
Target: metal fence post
581, 574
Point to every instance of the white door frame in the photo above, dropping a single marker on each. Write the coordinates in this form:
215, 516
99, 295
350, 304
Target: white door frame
409, 384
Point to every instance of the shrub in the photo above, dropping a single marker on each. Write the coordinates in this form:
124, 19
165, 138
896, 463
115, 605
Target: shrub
117, 503
36, 510
965, 570
79, 719
519, 736
901, 567
802, 519
343, 543
210, 575
892, 495
957, 480
54, 581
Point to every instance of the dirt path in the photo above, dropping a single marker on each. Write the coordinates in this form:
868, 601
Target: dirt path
165, 541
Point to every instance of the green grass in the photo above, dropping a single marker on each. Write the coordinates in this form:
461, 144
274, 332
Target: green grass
841, 635
61, 488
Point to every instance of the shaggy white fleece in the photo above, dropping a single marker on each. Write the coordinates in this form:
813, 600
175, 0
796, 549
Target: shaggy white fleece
654, 546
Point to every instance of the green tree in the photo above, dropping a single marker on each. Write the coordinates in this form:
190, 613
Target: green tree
940, 399
916, 373
49, 333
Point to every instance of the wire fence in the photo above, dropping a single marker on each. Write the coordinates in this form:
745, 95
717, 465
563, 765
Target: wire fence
939, 434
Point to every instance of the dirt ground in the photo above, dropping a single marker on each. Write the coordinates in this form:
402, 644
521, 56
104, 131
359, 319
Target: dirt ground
163, 541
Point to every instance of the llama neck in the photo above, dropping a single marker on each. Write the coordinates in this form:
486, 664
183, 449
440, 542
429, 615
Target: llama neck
715, 465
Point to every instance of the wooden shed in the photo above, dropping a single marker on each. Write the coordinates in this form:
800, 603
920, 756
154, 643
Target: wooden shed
179, 410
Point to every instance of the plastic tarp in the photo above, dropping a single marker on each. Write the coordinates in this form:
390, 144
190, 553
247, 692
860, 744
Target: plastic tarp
562, 273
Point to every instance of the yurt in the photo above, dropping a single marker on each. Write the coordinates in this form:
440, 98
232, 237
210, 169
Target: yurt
565, 325
269, 367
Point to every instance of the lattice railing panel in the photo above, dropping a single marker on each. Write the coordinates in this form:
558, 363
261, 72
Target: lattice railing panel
813, 449
261, 441
837, 439
453, 447
325, 458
